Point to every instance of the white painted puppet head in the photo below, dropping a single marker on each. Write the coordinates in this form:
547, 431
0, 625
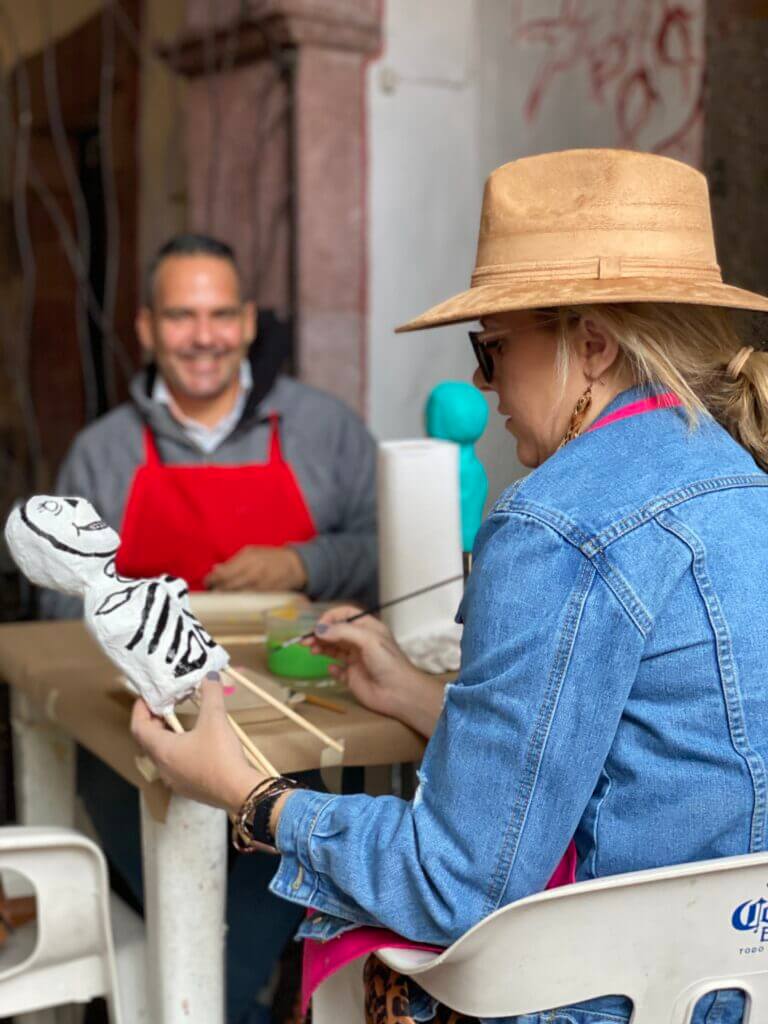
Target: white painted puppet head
62, 543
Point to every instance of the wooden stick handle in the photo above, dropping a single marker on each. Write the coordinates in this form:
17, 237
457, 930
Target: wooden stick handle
251, 751
241, 638
250, 748
173, 722
285, 708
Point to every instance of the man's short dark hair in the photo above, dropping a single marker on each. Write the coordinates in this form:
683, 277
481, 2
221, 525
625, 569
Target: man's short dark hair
188, 244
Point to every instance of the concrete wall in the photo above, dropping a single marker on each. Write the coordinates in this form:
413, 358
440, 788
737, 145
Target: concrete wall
736, 146
163, 199
465, 85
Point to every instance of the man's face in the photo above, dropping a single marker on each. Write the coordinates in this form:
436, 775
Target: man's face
198, 328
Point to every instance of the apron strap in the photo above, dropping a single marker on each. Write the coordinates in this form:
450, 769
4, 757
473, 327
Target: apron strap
151, 454
667, 400
275, 448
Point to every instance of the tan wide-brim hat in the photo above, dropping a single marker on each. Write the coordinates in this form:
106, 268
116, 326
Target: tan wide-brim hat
592, 225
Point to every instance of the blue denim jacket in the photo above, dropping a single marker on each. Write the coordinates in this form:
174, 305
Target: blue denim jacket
612, 688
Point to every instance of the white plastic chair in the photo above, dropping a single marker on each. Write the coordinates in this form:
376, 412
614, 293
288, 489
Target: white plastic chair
73, 959
664, 938
130, 941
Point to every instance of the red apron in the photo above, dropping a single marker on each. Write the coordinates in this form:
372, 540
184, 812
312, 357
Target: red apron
184, 519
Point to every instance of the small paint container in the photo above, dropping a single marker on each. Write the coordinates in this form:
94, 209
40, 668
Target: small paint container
296, 662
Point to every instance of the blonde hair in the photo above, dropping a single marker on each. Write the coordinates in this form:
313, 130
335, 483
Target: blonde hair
686, 349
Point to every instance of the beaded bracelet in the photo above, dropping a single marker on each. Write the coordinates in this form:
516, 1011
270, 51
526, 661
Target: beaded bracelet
267, 790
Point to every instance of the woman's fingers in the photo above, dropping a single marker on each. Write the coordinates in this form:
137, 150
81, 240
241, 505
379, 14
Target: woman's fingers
211, 701
349, 634
328, 650
141, 715
148, 730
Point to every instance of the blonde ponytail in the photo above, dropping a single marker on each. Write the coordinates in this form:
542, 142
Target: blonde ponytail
693, 351
740, 403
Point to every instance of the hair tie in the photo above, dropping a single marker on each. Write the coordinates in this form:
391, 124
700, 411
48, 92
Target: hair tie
739, 361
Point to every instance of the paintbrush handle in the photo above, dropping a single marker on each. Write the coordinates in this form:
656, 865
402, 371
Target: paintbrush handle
378, 608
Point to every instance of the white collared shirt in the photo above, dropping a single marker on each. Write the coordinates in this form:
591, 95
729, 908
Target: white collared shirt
206, 438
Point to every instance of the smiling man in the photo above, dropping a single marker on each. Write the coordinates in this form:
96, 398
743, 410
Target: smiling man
222, 472
219, 470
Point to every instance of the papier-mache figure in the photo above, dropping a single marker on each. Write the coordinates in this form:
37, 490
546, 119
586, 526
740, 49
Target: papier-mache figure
145, 626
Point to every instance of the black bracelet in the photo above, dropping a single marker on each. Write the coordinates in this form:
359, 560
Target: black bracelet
250, 827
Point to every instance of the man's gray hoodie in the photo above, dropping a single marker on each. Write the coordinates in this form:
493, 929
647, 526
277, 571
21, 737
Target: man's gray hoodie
326, 444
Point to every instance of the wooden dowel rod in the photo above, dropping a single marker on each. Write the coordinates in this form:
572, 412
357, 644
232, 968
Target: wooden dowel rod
173, 722
251, 751
250, 747
285, 708
241, 638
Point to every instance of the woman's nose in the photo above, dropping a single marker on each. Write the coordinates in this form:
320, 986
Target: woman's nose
480, 382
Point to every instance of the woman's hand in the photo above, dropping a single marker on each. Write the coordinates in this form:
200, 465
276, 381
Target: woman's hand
376, 670
205, 764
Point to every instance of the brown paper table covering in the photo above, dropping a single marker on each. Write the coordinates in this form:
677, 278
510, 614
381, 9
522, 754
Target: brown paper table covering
61, 668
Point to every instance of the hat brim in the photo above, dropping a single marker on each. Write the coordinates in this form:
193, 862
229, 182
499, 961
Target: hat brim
487, 299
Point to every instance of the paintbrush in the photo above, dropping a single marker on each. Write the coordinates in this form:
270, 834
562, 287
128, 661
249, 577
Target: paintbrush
372, 611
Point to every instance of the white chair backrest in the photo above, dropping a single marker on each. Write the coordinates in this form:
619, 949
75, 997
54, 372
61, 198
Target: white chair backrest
664, 938
73, 959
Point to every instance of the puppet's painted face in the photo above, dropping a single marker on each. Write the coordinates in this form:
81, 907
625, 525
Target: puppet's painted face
61, 543
71, 525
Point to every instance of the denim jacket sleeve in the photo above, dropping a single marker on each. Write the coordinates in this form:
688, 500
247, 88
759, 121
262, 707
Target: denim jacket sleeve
549, 655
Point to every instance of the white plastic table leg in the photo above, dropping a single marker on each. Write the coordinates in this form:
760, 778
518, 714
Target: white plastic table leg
44, 778
185, 880
44, 767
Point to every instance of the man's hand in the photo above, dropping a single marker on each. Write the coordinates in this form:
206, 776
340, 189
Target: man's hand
259, 568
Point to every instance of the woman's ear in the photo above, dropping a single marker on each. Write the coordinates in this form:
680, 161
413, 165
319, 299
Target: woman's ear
597, 349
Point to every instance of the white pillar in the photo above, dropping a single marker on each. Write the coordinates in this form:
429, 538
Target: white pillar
185, 882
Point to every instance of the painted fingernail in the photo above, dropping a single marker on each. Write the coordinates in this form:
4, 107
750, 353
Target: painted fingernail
321, 628
213, 676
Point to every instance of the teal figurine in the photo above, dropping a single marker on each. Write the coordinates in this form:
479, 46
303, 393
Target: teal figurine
457, 411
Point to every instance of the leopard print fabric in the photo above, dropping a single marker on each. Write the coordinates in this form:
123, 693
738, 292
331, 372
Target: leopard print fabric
387, 999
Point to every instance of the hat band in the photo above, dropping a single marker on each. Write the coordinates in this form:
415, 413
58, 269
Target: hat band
598, 268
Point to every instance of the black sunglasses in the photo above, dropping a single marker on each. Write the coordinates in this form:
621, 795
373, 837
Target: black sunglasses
483, 353
484, 349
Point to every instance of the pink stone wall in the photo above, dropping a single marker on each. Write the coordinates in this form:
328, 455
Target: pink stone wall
255, 144
238, 181
331, 221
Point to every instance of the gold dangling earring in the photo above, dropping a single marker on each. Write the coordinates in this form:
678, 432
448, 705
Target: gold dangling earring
577, 417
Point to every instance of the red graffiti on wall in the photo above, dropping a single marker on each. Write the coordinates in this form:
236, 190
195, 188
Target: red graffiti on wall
628, 49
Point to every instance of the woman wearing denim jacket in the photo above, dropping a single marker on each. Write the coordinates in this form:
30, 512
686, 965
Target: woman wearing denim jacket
613, 678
